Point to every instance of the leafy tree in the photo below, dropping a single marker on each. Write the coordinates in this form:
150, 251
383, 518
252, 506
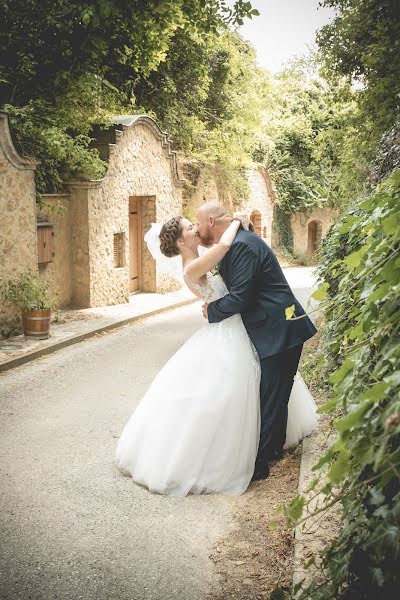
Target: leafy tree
209, 94
47, 45
306, 142
69, 66
360, 271
363, 44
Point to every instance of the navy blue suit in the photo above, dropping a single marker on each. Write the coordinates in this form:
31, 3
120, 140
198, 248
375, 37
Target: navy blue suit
259, 291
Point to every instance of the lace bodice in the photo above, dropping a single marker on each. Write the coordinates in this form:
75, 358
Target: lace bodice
214, 289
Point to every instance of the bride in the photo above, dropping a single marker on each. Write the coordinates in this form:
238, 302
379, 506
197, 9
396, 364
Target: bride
197, 428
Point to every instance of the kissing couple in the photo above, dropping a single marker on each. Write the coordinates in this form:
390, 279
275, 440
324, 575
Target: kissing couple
229, 400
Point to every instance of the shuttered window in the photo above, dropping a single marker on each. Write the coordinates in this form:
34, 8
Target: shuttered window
119, 250
45, 237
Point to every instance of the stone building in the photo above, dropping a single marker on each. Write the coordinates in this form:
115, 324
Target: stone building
309, 228
259, 205
200, 187
94, 252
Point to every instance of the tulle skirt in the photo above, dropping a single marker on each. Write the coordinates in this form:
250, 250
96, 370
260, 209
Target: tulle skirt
197, 428
302, 416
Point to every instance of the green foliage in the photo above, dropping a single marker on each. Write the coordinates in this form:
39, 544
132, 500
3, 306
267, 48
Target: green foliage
58, 132
68, 66
307, 140
361, 265
209, 95
29, 291
387, 158
363, 44
282, 223
59, 151
48, 45
323, 132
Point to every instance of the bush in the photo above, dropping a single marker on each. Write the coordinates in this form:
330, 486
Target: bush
29, 292
41, 131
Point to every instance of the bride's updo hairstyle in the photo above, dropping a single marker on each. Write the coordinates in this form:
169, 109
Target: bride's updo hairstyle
170, 233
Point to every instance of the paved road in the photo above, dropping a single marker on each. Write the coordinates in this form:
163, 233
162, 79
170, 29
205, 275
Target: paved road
71, 525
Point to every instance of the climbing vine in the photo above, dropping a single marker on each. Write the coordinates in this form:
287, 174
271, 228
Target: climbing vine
282, 223
360, 270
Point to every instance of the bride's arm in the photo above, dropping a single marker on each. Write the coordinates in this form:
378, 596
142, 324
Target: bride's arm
200, 266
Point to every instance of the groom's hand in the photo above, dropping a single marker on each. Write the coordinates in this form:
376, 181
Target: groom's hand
205, 311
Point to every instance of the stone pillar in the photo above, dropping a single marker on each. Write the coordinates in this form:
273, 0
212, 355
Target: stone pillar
80, 258
59, 270
18, 237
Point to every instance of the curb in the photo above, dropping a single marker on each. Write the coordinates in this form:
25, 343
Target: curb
319, 531
75, 339
305, 468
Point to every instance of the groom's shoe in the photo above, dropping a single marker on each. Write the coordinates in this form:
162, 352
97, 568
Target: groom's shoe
276, 455
261, 473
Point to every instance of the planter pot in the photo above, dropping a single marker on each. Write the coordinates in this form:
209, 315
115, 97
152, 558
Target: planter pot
36, 323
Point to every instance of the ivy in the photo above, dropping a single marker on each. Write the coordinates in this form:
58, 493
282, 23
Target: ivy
282, 223
360, 269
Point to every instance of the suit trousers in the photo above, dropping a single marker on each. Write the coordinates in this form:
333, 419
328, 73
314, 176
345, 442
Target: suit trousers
277, 374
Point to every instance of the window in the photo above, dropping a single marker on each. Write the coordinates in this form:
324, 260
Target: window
119, 250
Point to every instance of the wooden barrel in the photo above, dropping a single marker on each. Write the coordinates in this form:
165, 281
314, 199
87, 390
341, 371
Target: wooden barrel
36, 323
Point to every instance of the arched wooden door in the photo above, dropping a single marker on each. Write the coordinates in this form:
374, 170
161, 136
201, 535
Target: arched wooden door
256, 219
314, 236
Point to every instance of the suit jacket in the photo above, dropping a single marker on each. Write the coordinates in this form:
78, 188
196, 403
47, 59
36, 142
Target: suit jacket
259, 291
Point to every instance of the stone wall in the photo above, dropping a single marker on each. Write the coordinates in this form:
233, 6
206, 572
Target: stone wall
261, 201
18, 241
301, 224
203, 189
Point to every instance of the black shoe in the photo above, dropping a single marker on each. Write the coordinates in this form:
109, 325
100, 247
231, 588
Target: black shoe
276, 455
261, 474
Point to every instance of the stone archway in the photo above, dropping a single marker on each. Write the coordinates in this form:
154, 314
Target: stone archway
314, 237
256, 219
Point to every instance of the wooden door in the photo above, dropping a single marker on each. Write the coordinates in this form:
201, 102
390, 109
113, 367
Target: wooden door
256, 219
314, 236
135, 247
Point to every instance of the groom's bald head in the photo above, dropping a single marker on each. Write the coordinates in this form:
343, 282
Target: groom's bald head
212, 209
211, 221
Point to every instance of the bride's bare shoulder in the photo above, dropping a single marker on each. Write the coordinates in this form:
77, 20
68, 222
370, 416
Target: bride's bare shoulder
195, 281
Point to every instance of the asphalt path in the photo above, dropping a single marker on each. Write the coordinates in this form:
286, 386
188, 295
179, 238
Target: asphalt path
71, 525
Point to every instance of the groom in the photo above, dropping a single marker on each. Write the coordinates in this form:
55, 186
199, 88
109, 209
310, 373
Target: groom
259, 291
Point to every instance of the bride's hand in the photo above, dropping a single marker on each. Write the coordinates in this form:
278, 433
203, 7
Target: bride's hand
243, 218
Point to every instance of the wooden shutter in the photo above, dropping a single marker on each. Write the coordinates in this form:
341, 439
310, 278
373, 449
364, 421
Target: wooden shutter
45, 237
119, 250
116, 250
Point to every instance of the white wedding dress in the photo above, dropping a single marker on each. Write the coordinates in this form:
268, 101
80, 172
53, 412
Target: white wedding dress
196, 430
